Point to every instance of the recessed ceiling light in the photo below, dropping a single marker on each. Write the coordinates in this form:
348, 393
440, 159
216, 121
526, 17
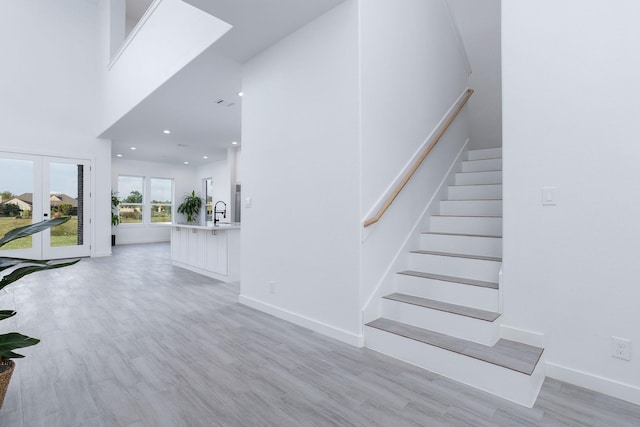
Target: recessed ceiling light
234, 143
133, 148
166, 131
118, 155
205, 157
186, 163
240, 93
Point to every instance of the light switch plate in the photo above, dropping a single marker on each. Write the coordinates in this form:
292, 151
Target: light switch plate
247, 202
548, 196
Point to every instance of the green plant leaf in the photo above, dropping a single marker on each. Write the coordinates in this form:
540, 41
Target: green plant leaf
13, 340
20, 268
191, 206
12, 262
5, 314
10, 355
19, 273
28, 230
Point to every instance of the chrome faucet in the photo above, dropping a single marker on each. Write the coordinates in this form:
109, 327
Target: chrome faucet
216, 211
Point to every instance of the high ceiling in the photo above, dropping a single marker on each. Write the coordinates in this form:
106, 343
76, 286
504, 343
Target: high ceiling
200, 104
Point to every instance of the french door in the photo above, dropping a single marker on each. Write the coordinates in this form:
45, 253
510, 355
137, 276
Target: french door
37, 188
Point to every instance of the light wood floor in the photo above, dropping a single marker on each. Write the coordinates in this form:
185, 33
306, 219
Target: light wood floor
132, 341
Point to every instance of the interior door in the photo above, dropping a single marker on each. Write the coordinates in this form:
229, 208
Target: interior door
37, 188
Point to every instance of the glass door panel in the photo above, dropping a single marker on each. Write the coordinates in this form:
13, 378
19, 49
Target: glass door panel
17, 203
66, 185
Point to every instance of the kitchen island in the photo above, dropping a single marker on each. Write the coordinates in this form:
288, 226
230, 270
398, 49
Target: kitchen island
213, 251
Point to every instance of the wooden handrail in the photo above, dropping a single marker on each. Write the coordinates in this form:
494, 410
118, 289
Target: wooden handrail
460, 104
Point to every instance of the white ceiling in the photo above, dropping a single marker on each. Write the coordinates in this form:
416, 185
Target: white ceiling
187, 104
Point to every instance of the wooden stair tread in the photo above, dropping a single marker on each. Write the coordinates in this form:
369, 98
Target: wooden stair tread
512, 355
453, 279
488, 158
478, 257
469, 216
471, 200
471, 185
463, 234
460, 310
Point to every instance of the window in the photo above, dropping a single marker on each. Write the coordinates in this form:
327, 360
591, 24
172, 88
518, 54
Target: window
208, 198
161, 190
131, 193
145, 200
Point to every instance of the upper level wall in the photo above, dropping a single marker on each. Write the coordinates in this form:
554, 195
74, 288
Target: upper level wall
172, 35
571, 121
479, 24
412, 70
49, 91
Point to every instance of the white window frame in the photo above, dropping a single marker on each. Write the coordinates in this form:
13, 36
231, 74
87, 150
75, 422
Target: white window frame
151, 204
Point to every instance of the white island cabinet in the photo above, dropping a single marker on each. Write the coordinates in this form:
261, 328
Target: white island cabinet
212, 251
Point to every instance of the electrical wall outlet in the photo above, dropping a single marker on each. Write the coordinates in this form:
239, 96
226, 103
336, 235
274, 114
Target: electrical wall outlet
272, 287
621, 348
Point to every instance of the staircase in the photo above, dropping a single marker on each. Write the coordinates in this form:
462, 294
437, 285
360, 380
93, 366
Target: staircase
444, 315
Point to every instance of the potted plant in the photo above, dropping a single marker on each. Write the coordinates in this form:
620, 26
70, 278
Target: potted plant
115, 217
11, 270
191, 206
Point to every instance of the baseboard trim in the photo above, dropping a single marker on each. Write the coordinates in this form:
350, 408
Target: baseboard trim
524, 336
305, 322
617, 389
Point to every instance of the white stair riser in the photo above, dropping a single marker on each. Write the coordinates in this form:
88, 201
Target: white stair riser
485, 153
451, 292
468, 178
481, 165
468, 245
467, 225
476, 330
506, 383
471, 207
455, 266
475, 192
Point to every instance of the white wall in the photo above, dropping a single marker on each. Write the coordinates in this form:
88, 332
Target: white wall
173, 35
224, 174
184, 179
300, 155
479, 24
51, 58
117, 24
412, 73
239, 165
219, 172
570, 80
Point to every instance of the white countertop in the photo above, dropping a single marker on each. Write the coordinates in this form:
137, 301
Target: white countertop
218, 226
